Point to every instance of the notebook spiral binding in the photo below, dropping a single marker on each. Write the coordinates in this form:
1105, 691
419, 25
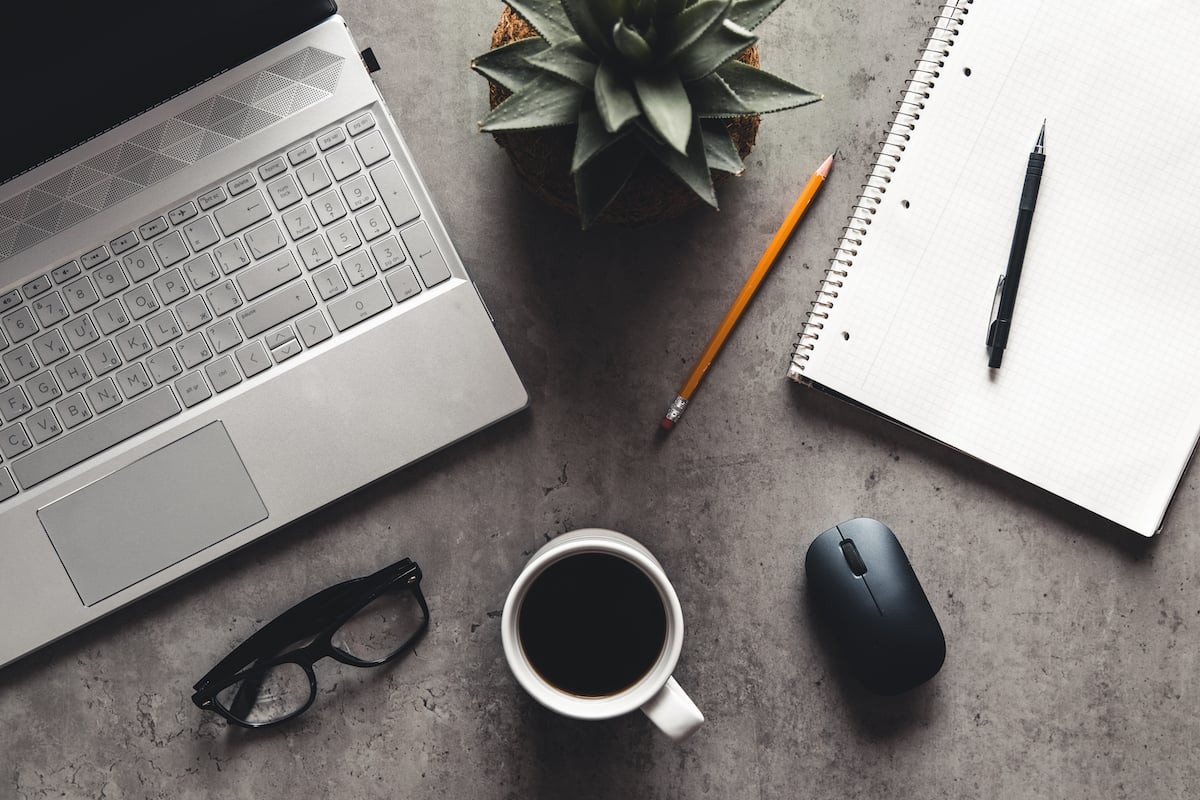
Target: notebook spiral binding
913, 96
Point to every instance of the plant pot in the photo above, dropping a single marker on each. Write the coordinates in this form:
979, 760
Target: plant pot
543, 158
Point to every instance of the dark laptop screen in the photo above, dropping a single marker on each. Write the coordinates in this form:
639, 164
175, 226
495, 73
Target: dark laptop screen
71, 70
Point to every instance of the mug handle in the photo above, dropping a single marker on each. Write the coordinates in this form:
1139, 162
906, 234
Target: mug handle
673, 711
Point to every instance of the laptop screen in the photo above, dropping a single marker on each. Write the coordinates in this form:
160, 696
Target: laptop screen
72, 70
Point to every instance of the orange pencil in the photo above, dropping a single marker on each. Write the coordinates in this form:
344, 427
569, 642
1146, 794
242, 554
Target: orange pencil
679, 405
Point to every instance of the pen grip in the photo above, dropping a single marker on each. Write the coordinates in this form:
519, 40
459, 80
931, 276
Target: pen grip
1033, 181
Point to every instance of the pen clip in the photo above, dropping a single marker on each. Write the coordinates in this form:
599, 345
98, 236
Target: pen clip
995, 311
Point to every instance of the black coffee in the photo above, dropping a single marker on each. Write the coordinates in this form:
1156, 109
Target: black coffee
592, 624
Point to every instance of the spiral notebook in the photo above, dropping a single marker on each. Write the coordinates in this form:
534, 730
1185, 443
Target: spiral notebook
1098, 399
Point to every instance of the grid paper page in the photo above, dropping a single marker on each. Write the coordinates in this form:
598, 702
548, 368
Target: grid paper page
1098, 400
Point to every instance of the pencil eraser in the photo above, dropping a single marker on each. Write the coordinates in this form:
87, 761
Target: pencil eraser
666, 424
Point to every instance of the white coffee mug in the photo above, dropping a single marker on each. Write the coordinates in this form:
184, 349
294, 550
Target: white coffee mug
656, 692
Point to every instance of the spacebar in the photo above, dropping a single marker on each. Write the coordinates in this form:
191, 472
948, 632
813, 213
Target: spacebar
95, 437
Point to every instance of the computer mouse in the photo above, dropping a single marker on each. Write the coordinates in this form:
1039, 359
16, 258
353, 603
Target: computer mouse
873, 606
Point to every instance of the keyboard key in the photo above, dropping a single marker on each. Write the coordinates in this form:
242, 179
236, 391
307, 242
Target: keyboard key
403, 284
232, 256
313, 328
192, 389
272, 274
39, 285
19, 325
163, 365
20, 362
343, 237
394, 193
95, 437
331, 139
329, 282
170, 249
133, 343
373, 223
285, 351
314, 252
10, 300
252, 358
81, 332
194, 350
223, 374
50, 347
299, 222
42, 388
163, 328
372, 149
302, 153
354, 308
170, 286
358, 192
193, 313
313, 177
183, 213
224, 335
141, 302
426, 256
200, 234
111, 317
201, 271
73, 411
102, 358
140, 264
103, 395
241, 183
8, 486
360, 124
284, 192
50, 309
342, 162
224, 298
66, 271
388, 253
94, 258
329, 207
275, 309
359, 268
272, 168
276, 338
14, 440
73, 373
111, 280
265, 239
153, 228
133, 381
126, 241
243, 212
43, 425
13, 404
213, 197
81, 294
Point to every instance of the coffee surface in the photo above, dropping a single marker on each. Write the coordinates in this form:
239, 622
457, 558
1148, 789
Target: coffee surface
592, 624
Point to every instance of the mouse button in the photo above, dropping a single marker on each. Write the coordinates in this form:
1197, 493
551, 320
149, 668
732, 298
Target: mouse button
851, 554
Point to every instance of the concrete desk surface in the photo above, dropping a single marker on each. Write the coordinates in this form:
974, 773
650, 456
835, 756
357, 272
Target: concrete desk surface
1072, 665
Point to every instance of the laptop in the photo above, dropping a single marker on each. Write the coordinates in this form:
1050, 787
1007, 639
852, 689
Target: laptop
226, 296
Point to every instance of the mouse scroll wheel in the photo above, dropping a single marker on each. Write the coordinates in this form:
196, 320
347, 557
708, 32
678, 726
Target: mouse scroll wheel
857, 566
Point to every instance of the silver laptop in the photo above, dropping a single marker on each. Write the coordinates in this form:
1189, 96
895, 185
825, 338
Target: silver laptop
226, 298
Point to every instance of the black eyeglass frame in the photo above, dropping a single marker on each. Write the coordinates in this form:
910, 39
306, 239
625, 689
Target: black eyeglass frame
324, 612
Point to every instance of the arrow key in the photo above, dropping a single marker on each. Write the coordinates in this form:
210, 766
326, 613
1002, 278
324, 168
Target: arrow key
252, 358
313, 328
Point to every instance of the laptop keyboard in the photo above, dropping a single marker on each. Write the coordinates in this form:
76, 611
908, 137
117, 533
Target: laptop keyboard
216, 292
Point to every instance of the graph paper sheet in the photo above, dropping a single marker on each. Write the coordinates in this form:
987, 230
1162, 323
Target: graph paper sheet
1098, 400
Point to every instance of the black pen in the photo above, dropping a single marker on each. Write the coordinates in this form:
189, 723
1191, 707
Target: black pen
1006, 290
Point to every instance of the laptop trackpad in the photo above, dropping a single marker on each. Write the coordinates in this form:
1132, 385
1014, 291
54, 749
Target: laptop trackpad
153, 513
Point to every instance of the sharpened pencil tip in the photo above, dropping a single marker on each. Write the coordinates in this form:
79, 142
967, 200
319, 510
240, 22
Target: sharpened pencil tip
827, 165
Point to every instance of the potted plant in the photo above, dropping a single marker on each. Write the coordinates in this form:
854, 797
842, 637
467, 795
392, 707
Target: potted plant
625, 110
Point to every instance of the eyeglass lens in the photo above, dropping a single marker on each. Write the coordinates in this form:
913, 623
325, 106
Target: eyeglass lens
381, 627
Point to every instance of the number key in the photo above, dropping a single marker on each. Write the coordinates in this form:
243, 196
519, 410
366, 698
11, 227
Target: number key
111, 279
20, 325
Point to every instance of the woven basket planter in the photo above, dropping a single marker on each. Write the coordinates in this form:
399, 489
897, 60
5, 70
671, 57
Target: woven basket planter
543, 158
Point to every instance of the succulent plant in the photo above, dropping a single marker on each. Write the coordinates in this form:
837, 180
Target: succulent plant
639, 79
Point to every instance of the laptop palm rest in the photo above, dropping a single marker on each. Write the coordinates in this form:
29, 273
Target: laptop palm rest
153, 513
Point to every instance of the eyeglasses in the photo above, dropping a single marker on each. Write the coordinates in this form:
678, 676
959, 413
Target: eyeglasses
365, 622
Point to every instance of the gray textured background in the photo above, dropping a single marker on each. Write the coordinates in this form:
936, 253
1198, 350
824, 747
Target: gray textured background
1072, 666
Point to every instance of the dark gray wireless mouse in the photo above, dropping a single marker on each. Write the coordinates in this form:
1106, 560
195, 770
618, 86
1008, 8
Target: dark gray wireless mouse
871, 602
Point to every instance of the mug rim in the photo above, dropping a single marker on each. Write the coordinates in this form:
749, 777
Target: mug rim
592, 540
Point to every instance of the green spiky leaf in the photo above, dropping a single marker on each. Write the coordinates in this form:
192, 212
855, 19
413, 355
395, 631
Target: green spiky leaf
684, 29
631, 45
716, 46
603, 177
546, 17
750, 13
667, 107
690, 167
507, 65
643, 12
719, 150
586, 24
614, 98
570, 59
711, 96
762, 91
667, 10
545, 102
592, 138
